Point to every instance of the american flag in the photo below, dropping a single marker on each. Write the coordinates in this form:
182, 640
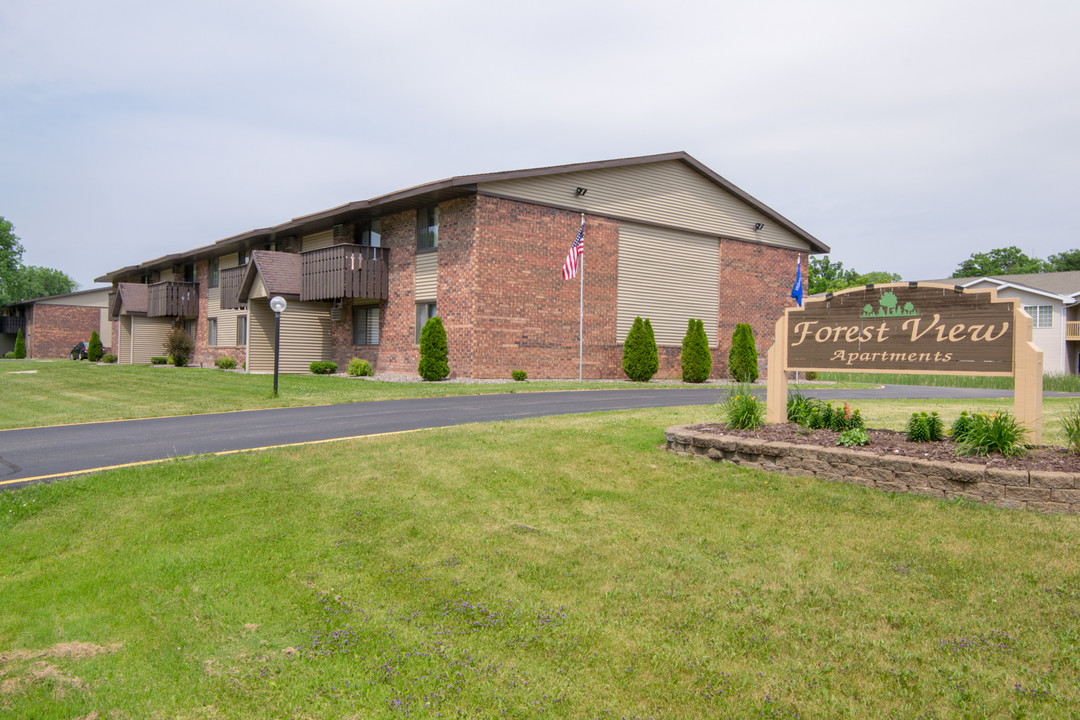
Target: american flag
570, 265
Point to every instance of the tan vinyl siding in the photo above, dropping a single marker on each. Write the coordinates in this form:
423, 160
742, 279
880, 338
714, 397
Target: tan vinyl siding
148, 338
667, 193
226, 334
305, 336
427, 276
104, 327
87, 299
166, 275
317, 241
123, 352
668, 277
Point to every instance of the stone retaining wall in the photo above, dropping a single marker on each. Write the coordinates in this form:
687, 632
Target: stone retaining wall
1052, 492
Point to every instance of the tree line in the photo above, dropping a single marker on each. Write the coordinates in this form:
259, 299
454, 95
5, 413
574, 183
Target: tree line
25, 282
825, 275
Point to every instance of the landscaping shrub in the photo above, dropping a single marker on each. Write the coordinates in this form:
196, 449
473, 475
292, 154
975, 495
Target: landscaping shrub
519, 375
323, 367
696, 359
9, 355
1070, 428
433, 351
811, 376
641, 359
818, 415
159, 361
743, 411
743, 358
225, 362
961, 427
179, 346
20, 346
94, 349
360, 368
108, 358
925, 427
997, 433
856, 437
799, 407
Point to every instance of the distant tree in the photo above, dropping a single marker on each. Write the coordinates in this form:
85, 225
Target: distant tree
696, 359
877, 277
1068, 260
743, 356
21, 282
1000, 261
434, 352
824, 275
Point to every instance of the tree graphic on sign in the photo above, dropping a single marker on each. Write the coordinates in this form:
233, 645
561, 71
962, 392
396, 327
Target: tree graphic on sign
888, 307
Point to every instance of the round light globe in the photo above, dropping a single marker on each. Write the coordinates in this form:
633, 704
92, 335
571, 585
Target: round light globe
278, 304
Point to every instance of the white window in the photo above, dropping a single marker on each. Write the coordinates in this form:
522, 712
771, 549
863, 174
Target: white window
241, 330
211, 331
1041, 315
365, 325
424, 312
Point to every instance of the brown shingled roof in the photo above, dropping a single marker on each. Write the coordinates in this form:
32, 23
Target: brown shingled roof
133, 297
280, 273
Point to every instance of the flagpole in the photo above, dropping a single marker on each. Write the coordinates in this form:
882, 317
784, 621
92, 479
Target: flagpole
581, 309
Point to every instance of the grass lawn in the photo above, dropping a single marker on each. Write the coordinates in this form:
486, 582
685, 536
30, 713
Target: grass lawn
50, 392
561, 567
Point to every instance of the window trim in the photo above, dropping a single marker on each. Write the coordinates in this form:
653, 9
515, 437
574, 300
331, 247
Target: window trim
212, 332
434, 312
1039, 315
365, 339
241, 320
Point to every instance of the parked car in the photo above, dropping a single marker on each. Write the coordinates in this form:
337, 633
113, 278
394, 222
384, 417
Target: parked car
79, 352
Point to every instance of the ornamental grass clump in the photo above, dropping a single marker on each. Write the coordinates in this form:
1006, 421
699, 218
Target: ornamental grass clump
1070, 428
743, 411
999, 433
925, 427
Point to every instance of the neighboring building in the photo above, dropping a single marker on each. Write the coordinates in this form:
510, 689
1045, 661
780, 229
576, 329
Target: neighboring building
666, 238
1051, 299
53, 325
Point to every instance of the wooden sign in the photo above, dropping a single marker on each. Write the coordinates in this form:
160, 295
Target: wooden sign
903, 328
909, 328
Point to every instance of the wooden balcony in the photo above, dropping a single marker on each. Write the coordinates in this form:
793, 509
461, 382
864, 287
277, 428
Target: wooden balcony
1072, 330
344, 271
229, 281
172, 299
12, 324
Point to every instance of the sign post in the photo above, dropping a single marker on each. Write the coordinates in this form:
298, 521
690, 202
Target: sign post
909, 328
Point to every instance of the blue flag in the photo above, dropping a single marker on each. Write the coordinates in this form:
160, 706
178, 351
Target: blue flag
796, 289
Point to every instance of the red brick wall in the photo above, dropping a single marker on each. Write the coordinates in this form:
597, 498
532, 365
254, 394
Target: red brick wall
52, 330
526, 314
755, 287
204, 355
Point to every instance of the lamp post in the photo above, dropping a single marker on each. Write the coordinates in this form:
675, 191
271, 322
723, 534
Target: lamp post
277, 304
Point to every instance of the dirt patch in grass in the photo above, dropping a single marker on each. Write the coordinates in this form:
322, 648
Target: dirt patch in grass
892, 442
73, 650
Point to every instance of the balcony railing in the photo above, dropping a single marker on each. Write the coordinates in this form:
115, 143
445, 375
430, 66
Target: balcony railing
12, 324
1072, 330
229, 281
344, 271
172, 299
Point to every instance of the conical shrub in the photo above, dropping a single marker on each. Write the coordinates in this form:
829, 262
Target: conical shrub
696, 359
433, 351
640, 357
743, 358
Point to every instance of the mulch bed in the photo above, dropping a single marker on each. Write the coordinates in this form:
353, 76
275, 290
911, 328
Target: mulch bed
892, 442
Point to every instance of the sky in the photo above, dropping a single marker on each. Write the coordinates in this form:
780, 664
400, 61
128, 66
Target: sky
906, 136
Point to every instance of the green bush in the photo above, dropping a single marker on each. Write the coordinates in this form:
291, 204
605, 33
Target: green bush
159, 360
855, 437
811, 376
108, 358
799, 407
961, 427
818, 415
20, 346
225, 362
434, 352
9, 355
696, 359
179, 346
360, 368
519, 375
743, 411
94, 349
925, 427
742, 358
998, 433
323, 367
640, 359
1070, 428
